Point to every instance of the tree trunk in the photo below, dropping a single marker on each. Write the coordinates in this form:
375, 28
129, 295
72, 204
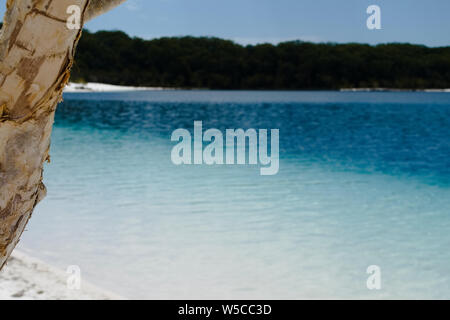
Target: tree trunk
36, 53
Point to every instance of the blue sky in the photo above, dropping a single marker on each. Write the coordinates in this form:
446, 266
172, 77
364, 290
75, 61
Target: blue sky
256, 21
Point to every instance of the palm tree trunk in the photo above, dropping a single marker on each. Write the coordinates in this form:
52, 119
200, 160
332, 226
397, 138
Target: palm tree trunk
36, 53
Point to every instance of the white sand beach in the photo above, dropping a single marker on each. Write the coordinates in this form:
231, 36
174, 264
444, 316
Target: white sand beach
102, 87
391, 90
26, 278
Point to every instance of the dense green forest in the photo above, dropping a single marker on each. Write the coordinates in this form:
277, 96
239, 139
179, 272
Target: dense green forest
188, 62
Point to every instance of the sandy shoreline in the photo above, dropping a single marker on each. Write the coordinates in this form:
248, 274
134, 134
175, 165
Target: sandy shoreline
27, 278
103, 87
391, 90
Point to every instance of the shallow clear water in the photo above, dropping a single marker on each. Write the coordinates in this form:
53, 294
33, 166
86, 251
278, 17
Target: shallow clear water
364, 180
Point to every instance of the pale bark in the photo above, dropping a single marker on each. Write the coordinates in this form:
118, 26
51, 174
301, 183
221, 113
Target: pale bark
97, 7
36, 54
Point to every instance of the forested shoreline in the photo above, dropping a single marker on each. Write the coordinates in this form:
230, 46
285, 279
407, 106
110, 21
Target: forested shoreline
201, 62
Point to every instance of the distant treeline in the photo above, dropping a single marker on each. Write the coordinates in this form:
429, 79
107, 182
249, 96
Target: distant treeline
189, 62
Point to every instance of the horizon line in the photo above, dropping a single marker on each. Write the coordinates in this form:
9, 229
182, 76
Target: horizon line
263, 42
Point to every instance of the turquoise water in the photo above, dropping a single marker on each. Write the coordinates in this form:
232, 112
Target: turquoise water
364, 180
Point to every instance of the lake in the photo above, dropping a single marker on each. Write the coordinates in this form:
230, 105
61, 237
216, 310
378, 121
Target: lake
364, 179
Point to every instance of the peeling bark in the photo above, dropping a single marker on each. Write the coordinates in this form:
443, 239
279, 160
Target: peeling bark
36, 54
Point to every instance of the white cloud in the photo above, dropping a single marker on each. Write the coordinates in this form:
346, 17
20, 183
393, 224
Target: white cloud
132, 5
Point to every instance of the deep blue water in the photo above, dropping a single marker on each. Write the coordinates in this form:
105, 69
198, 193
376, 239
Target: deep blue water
364, 179
392, 133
